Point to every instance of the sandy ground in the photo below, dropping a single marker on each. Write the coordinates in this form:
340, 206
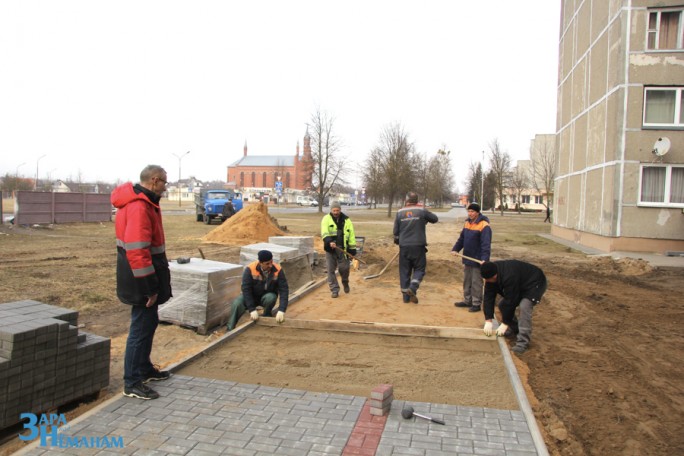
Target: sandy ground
603, 372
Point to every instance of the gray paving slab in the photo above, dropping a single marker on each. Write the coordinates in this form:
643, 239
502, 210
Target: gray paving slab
655, 259
243, 419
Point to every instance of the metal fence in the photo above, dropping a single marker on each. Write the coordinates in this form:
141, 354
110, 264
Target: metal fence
54, 207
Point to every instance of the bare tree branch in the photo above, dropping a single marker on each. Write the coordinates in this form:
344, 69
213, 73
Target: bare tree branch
500, 164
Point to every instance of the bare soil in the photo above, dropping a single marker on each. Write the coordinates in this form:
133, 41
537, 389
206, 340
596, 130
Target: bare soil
603, 373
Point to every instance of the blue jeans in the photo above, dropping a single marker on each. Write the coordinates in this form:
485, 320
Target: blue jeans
137, 364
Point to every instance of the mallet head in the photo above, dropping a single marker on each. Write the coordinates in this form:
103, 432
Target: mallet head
407, 412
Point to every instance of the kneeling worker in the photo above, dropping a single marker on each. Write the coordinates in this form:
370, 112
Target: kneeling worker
262, 282
521, 285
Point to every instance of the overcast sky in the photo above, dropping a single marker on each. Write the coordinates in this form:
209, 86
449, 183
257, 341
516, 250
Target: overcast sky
101, 89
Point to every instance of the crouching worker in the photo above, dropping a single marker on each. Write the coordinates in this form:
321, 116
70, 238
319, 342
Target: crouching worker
263, 281
521, 285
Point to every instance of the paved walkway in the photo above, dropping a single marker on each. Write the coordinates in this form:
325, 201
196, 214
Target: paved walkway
197, 416
654, 259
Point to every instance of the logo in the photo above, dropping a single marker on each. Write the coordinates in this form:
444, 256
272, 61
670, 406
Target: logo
47, 427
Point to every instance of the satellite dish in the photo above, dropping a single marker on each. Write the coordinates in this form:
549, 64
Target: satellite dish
661, 146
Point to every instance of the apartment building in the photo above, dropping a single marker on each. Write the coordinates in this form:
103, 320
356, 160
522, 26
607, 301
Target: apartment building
620, 125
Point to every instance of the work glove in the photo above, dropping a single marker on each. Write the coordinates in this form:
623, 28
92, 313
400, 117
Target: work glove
254, 315
280, 316
501, 330
351, 252
396, 240
487, 328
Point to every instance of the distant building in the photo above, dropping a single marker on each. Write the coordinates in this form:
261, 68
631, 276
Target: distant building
259, 173
620, 103
533, 196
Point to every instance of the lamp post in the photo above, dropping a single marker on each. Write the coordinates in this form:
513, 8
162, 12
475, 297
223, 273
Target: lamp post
16, 178
179, 157
482, 183
35, 184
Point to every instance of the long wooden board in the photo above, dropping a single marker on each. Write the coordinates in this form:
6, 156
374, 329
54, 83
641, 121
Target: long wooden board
379, 328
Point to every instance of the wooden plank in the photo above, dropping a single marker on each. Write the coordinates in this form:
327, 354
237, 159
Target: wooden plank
369, 327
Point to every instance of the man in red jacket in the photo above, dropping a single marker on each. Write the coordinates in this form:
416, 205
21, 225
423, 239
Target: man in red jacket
143, 279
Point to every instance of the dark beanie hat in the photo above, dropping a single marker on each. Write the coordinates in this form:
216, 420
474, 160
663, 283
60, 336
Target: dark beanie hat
474, 206
488, 270
265, 255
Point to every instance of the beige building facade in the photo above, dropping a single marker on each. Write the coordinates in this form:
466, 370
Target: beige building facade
620, 104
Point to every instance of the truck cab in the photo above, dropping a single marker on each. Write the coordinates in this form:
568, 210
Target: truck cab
209, 204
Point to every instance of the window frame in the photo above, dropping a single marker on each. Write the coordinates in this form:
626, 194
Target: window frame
657, 30
675, 125
667, 190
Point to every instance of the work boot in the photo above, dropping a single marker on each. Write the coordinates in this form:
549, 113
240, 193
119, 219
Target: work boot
412, 295
345, 285
510, 333
519, 349
474, 309
335, 294
406, 298
461, 304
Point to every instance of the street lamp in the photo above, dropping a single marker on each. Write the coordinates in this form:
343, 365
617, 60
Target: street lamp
16, 174
179, 157
16, 179
35, 184
482, 183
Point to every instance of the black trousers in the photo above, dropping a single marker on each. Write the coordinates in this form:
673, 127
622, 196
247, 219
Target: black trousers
412, 262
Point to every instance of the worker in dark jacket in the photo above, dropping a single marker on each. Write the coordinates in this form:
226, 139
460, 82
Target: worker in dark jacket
263, 281
143, 280
521, 285
409, 233
476, 242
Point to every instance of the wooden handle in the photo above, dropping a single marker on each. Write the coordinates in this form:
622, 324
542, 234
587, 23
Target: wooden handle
470, 258
350, 255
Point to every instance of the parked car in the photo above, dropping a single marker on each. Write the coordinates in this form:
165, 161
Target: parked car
306, 201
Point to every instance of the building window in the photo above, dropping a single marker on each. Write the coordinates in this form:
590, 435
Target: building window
662, 186
263, 179
526, 199
663, 107
664, 30
537, 199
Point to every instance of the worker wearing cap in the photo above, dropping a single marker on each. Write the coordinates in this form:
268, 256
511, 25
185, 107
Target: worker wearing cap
337, 232
263, 281
476, 242
521, 285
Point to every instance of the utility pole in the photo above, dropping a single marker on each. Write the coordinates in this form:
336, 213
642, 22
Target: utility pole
35, 184
179, 157
482, 183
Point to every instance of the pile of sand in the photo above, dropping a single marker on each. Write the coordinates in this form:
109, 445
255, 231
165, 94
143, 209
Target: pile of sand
627, 266
249, 226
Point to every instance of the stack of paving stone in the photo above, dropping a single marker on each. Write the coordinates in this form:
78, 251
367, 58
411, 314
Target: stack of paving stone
249, 253
381, 400
295, 262
45, 361
202, 293
303, 244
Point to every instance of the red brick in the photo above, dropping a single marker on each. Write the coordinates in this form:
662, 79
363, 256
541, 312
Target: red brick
381, 392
